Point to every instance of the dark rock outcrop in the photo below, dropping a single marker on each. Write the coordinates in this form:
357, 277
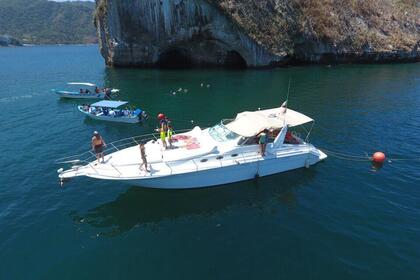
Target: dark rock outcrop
6, 41
256, 33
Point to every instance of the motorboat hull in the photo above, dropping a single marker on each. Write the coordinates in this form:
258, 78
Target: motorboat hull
77, 95
122, 119
264, 166
228, 174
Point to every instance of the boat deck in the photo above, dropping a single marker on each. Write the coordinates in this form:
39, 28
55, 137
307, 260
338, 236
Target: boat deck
125, 164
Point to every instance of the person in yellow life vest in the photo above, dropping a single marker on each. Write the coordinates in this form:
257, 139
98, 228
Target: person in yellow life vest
163, 137
163, 129
170, 132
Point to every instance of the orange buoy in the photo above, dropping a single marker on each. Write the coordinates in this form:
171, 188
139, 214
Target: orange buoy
378, 157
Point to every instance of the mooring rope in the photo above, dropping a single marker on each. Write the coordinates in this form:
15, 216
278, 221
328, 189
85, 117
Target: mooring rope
352, 157
345, 156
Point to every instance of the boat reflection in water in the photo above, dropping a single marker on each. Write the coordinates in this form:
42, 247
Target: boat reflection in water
140, 207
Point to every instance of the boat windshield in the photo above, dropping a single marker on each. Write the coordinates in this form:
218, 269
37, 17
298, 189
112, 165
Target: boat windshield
220, 133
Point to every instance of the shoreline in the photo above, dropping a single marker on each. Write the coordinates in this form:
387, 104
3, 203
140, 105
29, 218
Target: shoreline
327, 59
47, 45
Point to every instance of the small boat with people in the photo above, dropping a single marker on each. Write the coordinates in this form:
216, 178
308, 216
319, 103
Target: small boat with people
253, 144
86, 91
109, 110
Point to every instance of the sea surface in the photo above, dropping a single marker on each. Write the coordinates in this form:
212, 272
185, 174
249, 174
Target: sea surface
340, 219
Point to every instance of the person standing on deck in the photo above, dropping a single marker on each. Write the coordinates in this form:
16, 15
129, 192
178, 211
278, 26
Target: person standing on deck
263, 141
143, 157
163, 129
170, 133
98, 144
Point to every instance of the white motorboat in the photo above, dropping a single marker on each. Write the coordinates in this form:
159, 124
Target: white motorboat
91, 91
225, 153
107, 110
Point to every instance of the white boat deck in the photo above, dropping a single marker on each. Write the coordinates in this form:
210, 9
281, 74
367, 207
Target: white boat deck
202, 158
125, 164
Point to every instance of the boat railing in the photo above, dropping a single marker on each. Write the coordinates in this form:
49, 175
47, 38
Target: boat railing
89, 156
226, 121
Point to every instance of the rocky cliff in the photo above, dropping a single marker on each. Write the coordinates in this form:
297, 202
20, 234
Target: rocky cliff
7, 40
256, 33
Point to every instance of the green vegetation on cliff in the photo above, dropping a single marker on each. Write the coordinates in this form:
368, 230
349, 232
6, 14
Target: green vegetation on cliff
257, 33
336, 26
47, 22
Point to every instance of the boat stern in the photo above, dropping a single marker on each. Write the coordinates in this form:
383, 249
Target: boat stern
316, 155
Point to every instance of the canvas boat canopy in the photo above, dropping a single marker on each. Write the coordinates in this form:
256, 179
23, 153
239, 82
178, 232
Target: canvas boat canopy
109, 104
249, 124
82, 84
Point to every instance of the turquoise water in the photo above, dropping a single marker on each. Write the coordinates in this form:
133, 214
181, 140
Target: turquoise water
337, 220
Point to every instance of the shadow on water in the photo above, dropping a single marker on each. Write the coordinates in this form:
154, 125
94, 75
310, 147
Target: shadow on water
147, 207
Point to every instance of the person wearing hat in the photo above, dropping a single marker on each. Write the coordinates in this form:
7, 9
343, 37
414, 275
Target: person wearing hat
98, 144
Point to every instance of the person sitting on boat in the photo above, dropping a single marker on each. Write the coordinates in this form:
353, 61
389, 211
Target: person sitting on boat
86, 107
290, 139
107, 94
92, 110
263, 141
97, 90
98, 144
81, 91
87, 91
111, 113
274, 133
143, 157
126, 112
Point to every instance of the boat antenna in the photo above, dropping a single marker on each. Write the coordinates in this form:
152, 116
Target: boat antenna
288, 91
284, 105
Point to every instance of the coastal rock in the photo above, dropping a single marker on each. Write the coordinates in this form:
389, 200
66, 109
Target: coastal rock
6, 40
249, 33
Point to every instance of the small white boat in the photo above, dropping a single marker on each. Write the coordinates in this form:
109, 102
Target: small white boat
225, 153
107, 110
90, 92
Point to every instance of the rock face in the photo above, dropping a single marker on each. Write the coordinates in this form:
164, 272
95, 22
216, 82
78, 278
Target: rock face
256, 33
6, 40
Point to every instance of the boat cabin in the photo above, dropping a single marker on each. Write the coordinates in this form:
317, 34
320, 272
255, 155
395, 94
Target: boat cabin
247, 127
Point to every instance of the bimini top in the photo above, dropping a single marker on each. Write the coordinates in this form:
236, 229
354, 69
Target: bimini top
82, 84
109, 104
249, 124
